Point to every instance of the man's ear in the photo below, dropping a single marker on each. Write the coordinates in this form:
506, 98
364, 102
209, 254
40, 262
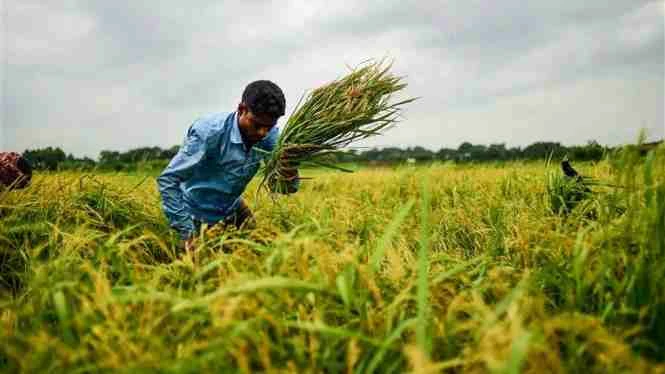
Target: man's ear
242, 108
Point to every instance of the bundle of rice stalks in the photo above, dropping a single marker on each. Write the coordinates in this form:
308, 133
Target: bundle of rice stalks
354, 107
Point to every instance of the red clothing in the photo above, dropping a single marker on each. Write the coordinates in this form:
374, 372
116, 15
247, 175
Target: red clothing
15, 172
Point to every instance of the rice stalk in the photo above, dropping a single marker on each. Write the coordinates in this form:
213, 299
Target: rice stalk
354, 107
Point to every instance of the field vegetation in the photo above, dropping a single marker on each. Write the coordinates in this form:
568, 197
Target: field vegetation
497, 267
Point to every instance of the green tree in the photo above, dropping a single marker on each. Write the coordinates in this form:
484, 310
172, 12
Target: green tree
45, 158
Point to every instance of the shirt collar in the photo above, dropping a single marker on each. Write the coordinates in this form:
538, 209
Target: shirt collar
236, 137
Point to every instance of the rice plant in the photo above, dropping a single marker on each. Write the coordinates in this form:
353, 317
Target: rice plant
377, 272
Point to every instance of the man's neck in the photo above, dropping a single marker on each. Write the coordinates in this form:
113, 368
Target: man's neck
245, 142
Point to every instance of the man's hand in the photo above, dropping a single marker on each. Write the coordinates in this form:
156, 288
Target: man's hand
288, 179
290, 172
187, 244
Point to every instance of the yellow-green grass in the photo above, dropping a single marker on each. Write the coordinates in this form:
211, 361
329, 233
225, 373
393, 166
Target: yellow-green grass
439, 268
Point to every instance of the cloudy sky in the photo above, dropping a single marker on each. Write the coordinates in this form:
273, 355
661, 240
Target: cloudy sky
90, 75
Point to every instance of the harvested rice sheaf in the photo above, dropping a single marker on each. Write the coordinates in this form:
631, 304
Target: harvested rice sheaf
357, 106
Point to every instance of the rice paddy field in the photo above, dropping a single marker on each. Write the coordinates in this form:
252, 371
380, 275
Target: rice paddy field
446, 268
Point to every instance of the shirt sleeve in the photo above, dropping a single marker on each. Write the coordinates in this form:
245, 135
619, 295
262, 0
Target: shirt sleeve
179, 169
269, 144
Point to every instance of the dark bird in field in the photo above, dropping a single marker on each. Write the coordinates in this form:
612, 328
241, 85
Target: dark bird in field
577, 189
570, 172
581, 180
568, 169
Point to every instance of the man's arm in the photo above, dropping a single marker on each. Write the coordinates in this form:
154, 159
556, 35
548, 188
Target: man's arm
179, 169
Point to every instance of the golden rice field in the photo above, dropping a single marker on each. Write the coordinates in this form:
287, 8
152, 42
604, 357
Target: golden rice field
427, 269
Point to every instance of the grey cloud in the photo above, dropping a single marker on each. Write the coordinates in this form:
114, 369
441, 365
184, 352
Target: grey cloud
96, 75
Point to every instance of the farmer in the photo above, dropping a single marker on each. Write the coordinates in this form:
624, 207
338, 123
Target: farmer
219, 156
15, 171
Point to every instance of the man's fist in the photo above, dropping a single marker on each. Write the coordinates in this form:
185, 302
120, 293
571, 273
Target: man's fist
186, 244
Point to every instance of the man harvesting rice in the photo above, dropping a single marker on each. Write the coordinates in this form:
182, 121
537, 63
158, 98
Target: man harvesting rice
204, 181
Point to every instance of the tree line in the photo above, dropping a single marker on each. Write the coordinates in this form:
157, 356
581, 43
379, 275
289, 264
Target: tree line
478, 152
156, 158
54, 158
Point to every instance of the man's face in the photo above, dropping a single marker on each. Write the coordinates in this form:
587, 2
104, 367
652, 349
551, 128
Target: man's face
254, 127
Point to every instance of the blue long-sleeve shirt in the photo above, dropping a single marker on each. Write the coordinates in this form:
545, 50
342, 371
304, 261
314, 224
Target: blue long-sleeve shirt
206, 177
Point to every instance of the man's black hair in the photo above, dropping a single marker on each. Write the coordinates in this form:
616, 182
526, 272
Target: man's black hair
264, 97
